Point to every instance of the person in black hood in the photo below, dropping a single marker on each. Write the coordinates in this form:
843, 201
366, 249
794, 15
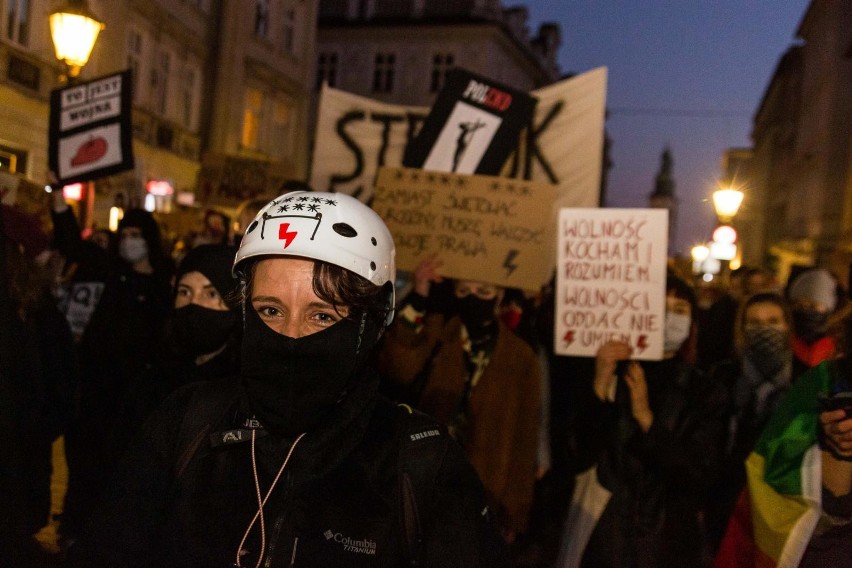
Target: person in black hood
129, 303
300, 462
202, 335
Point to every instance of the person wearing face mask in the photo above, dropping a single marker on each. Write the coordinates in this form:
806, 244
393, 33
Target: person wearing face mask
757, 383
128, 312
813, 298
648, 439
201, 338
463, 366
298, 462
796, 508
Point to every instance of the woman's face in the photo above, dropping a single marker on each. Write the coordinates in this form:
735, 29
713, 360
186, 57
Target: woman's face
282, 294
678, 305
195, 288
765, 314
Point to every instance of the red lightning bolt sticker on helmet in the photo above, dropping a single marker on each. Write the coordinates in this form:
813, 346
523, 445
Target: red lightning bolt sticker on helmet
285, 234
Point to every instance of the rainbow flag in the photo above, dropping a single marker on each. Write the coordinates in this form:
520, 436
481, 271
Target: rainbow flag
778, 510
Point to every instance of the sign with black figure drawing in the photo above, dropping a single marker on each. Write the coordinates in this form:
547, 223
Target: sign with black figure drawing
91, 132
473, 127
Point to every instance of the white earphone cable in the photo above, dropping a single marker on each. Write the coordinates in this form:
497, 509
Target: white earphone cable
262, 501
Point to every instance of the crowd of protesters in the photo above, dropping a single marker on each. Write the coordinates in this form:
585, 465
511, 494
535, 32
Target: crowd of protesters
589, 462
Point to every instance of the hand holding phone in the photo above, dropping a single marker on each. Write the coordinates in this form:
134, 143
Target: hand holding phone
837, 401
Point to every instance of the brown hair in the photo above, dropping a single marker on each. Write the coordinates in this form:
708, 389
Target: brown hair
339, 287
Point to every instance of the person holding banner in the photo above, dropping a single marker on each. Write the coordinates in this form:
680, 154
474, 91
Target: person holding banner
648, 439
461, 364
299, 462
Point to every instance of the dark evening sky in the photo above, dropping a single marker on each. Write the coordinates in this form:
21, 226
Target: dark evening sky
689, 74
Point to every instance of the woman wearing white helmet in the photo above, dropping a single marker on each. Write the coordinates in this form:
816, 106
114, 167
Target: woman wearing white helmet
300, 462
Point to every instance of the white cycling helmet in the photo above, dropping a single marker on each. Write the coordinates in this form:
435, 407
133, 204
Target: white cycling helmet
332, 227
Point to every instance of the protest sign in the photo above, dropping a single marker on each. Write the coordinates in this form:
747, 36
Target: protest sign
611, 280
562, 145
474, 125
90, 133
483, 228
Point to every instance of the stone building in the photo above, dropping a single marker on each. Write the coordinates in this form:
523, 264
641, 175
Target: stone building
399, 50
802, 190
221, 101
663, 196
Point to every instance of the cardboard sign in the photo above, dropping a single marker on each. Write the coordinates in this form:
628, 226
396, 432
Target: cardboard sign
473, 127
611, 280
91, 132
483, 228
562, 144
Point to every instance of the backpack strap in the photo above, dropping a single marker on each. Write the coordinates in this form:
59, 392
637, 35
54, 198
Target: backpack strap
422, 446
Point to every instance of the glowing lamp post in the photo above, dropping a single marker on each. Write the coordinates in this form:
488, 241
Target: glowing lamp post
74, 30
727, 202
699, 255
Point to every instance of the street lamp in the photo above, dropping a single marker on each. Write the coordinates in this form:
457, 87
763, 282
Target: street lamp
699, 253
74, 29
727, 202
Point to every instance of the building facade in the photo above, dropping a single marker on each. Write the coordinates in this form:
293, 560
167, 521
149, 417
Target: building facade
399, 50
221, 98
802, 163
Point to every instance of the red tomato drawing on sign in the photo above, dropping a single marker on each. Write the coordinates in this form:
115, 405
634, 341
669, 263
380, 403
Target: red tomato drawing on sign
90, 151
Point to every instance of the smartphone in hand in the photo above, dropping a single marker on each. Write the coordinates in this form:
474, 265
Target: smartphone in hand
836, 401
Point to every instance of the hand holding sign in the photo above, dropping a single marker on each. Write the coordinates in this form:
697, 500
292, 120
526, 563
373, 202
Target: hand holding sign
426, 273
606, 362
639, 405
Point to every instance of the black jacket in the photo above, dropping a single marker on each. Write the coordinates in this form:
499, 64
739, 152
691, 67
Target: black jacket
337, 502
658, 478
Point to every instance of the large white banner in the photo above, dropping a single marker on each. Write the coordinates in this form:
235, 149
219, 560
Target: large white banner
563, 145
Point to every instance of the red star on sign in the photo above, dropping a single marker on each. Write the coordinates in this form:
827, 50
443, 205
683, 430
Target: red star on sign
285, 234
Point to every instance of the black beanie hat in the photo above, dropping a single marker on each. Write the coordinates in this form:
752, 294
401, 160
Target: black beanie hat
214, 262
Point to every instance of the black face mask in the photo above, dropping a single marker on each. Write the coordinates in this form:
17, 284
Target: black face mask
768, 348
809, 325
476, 314
294, 384
198, 331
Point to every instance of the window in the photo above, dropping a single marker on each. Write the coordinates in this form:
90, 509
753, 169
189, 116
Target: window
441, 63
18, 21
261, 18
252, 118
327, 70
135, 62
383, 72
188, 95
160, 82
280, 132
288, 30
12, 160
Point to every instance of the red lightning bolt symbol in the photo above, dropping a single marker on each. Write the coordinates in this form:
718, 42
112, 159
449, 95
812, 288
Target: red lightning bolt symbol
642, 343
285, 234
569, 337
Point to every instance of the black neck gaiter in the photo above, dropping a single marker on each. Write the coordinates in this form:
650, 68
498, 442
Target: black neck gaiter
478, 317
197, 330
292, 385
